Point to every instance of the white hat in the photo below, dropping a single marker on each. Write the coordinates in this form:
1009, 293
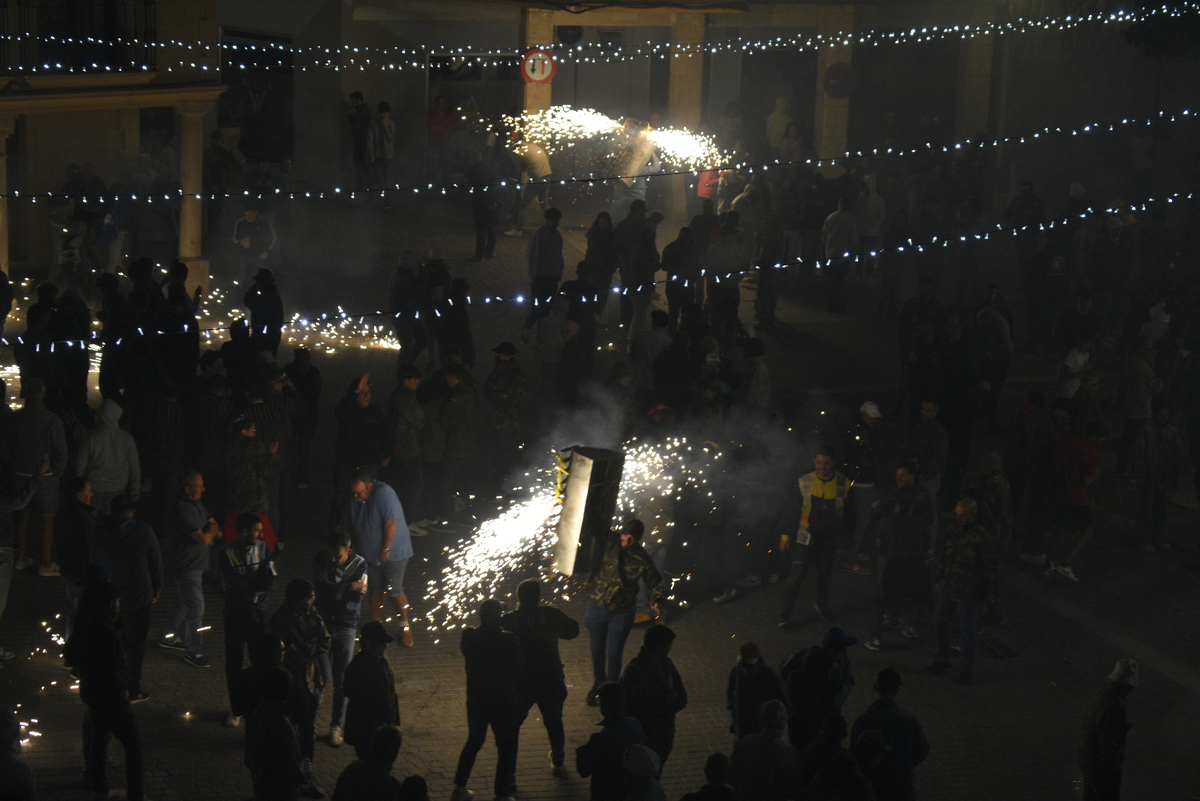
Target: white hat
872, 409
1126, 672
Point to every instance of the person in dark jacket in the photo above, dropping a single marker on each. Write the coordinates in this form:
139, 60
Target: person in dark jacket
818, 679
601, 757
31, 435
901, 541
371, 779
654, 691
361, 439
370, 689
341, 582
266, 311
129, 548
1102, 753
305, 640
272, 751
195, 530
76, 524
965, 574
716, 781
539, 627
494, 664
247, 571
405, 420
98, 657
821, 751
764, 765
458, 424
907, 745
249, 462
266, 652
752, 682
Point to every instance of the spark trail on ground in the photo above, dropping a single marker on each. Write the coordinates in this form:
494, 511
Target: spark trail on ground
520, 540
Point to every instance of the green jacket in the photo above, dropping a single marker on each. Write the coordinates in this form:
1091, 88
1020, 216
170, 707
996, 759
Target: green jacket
248, 464
614, 581
967, 567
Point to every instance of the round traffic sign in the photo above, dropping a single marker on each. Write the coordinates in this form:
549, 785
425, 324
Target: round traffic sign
538, 66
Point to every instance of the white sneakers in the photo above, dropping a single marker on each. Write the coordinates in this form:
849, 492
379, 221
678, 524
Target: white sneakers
335, 736
233, 721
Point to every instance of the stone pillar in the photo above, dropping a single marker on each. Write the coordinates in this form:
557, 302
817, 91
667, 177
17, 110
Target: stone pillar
7, 126
685, 93
973, 90
537, 30
832, 115
191, 183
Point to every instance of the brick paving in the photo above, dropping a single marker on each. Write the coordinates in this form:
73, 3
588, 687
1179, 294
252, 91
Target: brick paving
1011, 735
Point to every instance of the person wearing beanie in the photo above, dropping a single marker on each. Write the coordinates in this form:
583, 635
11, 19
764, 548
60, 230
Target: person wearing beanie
1102, 753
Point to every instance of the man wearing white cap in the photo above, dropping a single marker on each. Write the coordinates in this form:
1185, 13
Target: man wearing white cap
1102, 754
861, 466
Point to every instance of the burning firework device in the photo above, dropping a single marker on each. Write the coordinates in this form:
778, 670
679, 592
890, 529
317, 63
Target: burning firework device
589, 479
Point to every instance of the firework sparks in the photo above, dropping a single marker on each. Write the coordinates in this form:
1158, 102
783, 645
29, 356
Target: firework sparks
521, 539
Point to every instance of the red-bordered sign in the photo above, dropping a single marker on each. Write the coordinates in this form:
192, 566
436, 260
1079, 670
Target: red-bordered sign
538, 66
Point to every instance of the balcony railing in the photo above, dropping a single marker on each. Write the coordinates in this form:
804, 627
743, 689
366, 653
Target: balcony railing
72, 36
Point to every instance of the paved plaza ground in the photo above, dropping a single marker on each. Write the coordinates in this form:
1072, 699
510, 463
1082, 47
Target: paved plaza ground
1011, 735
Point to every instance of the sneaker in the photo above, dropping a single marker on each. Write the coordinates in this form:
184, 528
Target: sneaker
856, 569
49, 570
938, 668
462, 794
1148, 548
24, 563
1050, 572
6, 655
171, 642
909, 632
749, 582
513, 232
335, 736
197, 660
1036, 560
416, 531
728, 596
824, 614
873, 645
233, 721
138, 697
1065, 572
406, 636
556, 766
593, 698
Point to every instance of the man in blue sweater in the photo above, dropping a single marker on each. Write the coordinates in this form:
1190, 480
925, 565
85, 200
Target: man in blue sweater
340, 577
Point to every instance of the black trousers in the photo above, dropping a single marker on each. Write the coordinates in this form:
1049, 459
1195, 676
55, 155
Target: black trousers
101, 722
550, 703
239, 631
135, 628
503, 722
819, 555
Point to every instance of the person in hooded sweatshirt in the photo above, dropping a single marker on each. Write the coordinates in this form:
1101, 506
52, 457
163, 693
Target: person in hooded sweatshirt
108, 459
654, 691
601, 758
129, 548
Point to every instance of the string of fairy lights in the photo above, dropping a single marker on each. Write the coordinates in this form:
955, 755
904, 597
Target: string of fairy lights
367, 57
339, 326
561, 127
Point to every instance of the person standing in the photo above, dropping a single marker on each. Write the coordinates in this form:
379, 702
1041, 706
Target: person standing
405, 421
861, 465
818, 680
995, 342
493, 661
931, 445
247, 570
195, 531
1076, 465
108, 459
129, 548
907, 744
902, 544
272, 749
601, 758
371, 779
340, 578
544, 260
539, 627
1135, 400
1157, 463
654, 691
76, 524
716, 780
361, 439
1105, 728
964, 576
266, 312
822, 526
33, 434
249, 463
612, 591
305, 641
442, 124
370, 689
98, 659
380, 534
764, 766
752, 683
839, 240
381, 148
535, 164
504, 390
255, 238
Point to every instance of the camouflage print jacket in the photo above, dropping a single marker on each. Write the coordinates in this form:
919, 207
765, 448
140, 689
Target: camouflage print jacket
613, 584
248, 464
967, 566
505, 391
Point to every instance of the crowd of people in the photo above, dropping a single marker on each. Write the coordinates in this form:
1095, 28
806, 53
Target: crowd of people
195, 451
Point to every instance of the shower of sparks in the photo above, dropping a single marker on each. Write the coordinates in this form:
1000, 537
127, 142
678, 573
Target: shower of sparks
520, 540
562, 127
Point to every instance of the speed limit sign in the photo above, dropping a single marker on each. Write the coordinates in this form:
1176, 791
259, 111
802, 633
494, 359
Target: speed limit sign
538, 66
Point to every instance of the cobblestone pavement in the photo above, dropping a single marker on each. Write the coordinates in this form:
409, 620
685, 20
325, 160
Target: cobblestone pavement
1013, 734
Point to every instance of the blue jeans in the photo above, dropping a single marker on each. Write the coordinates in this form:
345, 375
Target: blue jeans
944, 616
333, 668
188, 615
608, 632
